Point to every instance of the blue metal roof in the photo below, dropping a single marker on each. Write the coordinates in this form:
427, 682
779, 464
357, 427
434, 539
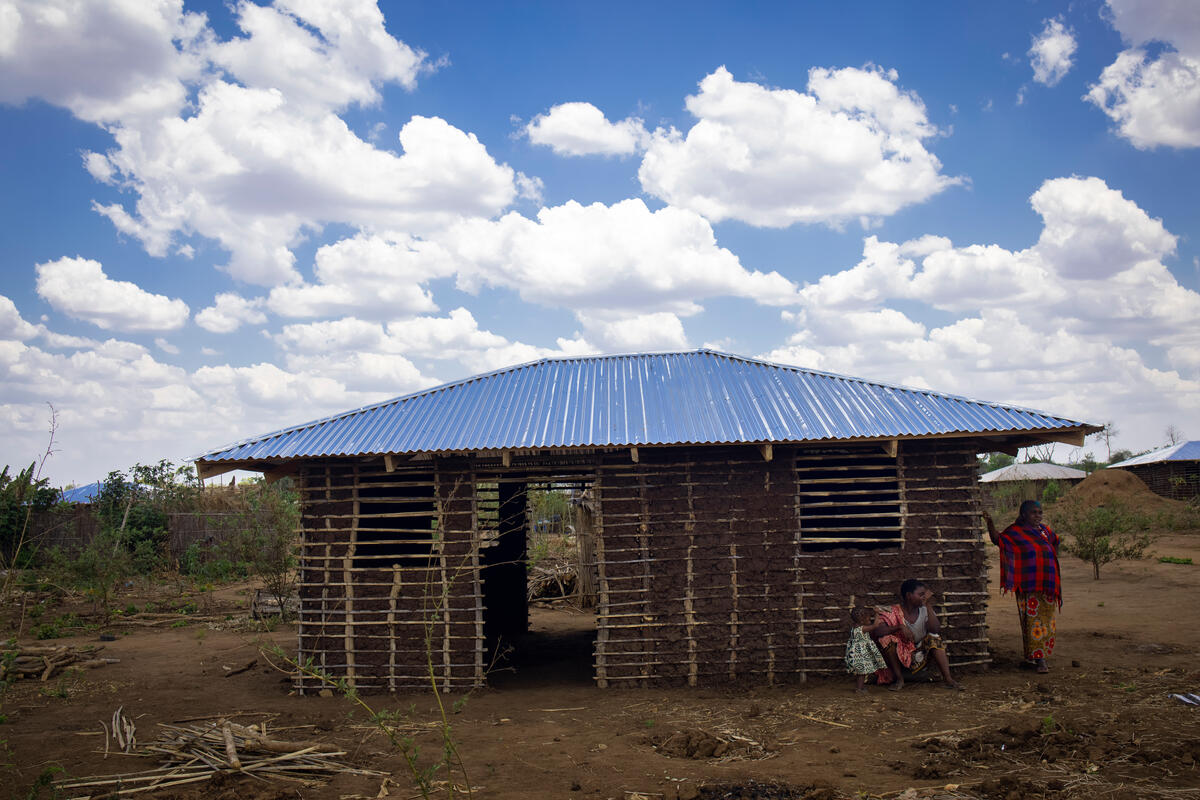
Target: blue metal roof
697, 397
82, 494
1185, 451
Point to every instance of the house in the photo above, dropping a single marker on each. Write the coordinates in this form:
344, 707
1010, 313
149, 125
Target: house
1171, 472
741, 508
1029, 480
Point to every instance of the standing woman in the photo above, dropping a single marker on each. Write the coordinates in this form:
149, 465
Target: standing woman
1029, 569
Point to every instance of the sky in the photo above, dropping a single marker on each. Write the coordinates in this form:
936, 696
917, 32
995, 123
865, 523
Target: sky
220, 219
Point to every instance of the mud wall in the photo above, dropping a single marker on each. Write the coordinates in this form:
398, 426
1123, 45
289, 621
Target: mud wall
720, 566
390, 574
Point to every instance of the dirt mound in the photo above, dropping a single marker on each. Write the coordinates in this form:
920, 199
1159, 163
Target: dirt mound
1116, 485
700, 744
771, 790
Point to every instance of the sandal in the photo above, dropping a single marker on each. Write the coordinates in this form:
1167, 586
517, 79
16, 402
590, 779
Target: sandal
1042, 669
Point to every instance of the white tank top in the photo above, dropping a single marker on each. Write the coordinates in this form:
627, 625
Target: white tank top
918, 627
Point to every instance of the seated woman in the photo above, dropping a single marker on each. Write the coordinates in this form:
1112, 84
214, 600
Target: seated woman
908, 637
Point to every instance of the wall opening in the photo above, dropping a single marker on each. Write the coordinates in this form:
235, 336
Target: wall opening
848, 499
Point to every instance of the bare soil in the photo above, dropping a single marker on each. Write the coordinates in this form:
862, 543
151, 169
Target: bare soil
1100, 725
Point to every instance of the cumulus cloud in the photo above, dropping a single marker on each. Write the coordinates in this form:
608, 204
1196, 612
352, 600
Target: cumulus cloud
128, 60
1153, 96
581, 129
852, 147
229, 312
369, 275
79, 287
260, 157
1051, 52
619, 257
364, 353
1055, 326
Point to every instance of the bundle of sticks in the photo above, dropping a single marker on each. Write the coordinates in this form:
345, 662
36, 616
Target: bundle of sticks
46, 661
551, 578
195, 753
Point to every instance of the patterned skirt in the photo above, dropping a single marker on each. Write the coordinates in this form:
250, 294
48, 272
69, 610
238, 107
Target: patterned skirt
1038, 628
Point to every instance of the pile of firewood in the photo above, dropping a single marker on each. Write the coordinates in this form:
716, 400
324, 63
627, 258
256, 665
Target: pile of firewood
552, 578
46, 661
195, 753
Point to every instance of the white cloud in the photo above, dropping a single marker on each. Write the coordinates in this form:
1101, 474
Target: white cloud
229, 312
581, 129
1051, 52
79, 287
1076, 324
165, 346
375, 355
375, 276
127, 59
331, 55
620, 257
1154, 99
259, 158
851, 148
625, 333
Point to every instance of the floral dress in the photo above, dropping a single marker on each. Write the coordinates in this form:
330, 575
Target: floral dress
862, 654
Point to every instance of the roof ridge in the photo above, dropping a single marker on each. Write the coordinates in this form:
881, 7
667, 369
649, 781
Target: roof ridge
759, 362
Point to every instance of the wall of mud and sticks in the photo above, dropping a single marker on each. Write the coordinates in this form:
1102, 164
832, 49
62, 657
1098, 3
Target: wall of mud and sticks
719, 566
1178, 480
716, 564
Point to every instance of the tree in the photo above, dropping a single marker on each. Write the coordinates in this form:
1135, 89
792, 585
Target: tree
1106, 434
266, 537
1174, 434
1103, 534
1119, 456
995, 461
20, 496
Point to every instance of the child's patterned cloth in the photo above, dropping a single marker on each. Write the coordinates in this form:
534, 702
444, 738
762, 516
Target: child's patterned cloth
862, 654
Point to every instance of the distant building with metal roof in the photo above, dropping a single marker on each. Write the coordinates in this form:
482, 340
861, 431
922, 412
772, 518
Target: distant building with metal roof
1184, 451
1032, 472
1171, 471
649, 399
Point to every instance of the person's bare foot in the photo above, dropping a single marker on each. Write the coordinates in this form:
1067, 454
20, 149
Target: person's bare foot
1041, 666
863, 690
952, 685
895, 687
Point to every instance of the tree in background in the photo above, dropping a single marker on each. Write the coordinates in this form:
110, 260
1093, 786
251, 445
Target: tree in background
266, 537
1174, 434
20, 496
994, 461
1106, 434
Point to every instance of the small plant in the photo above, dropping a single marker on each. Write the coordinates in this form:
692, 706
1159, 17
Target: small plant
1103, 534
131, 609
48, 630
180, 624
1048, 724
1174, 560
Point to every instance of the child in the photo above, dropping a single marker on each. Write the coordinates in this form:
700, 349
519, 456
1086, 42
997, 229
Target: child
862, 654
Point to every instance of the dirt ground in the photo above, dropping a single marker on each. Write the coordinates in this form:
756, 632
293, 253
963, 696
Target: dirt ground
1100, 725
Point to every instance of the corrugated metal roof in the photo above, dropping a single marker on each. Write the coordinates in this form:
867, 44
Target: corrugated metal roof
1032, 472
82, 494
697, 397
1185, 451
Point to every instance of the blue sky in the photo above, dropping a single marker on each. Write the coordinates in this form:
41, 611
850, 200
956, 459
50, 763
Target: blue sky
224, 218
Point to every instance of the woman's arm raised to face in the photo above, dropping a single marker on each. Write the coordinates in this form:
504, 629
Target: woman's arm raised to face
991, 528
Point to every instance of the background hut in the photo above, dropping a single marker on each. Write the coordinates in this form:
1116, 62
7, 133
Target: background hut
1018, 482
740, 508
1171, 472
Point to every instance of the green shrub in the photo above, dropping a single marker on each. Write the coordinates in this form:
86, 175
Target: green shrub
1103, 534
